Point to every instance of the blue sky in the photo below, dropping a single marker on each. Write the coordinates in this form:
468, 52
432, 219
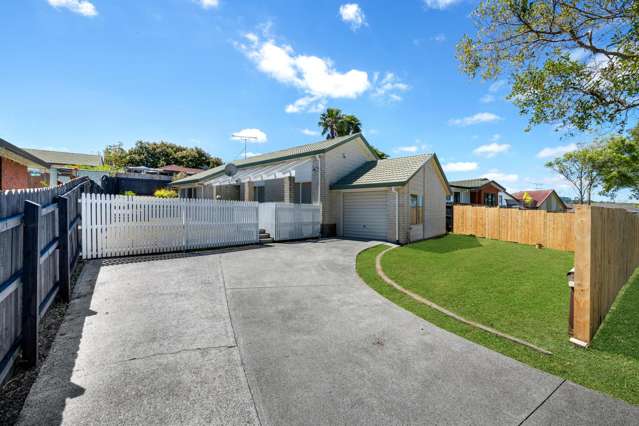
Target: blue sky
80, 74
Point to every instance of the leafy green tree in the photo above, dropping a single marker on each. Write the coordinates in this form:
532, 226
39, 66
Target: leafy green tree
115, 155
618, 164
580, 169
574, 62
160, 154
349, 125
380, 154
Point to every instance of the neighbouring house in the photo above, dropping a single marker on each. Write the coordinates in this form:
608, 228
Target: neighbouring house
17, 166
174, 170
480, 192
400, 199
67, 165
541, 199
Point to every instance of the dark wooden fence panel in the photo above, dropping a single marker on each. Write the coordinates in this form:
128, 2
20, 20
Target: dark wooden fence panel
12, 205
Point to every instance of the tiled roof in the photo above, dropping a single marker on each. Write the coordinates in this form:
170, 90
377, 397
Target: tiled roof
470, 183
180, 169
474, 183
25, 154
389, 172
539, 196
285, 154
66, 158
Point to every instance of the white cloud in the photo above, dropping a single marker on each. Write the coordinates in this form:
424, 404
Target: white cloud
389, 86
578, 54
496, 86
495, 137
352, 14
492, 149
309, 132
440, 4
253, 135
556, 151
82, 7
439, 38
480, 117
486, 99
316, 77
500, 177
410, 149
460, 166
252, 154
209, 4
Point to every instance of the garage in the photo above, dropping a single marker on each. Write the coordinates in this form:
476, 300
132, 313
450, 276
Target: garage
364, 215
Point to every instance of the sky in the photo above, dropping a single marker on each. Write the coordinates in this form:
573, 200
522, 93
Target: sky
78, 75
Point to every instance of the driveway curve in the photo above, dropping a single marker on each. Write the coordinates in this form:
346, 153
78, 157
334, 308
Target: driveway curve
280, 335
320, 347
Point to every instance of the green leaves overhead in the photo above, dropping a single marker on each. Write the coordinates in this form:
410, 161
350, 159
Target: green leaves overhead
570, 62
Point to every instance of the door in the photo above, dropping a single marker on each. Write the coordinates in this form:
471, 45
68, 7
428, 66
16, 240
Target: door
365, 215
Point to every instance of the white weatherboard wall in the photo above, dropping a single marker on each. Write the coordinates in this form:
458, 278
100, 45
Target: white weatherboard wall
116, 225
434, 202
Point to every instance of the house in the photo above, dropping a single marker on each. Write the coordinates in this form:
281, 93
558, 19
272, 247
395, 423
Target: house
543, 199
481, 192
15, 166
400, 199
174, 170
65, 165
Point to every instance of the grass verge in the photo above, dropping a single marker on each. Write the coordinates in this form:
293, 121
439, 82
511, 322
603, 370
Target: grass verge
611, 365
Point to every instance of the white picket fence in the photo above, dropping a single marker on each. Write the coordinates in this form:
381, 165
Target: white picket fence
116, 225
286, 221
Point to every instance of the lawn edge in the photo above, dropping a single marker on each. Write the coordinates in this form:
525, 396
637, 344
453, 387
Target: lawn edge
420, 299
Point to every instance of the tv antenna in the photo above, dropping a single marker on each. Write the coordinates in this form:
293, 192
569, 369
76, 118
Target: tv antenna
243, 138
537, 185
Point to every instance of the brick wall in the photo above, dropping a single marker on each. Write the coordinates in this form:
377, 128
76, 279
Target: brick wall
13, 175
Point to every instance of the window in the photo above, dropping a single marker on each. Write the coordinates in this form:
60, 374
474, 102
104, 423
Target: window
490, 199
457, 197
303, 193
416, 209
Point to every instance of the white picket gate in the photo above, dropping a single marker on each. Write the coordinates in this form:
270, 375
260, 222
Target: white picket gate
117, 225
285, 221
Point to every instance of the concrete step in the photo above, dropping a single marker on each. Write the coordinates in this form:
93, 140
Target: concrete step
266, 240
264, 236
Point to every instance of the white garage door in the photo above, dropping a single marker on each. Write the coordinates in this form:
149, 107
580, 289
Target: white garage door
365, 215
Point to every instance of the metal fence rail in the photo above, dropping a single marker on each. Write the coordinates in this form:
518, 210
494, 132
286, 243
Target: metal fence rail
116, 225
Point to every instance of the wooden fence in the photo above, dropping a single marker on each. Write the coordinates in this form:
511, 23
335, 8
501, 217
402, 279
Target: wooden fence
33, 249
606, 255
285, 221
116, 225
552, 230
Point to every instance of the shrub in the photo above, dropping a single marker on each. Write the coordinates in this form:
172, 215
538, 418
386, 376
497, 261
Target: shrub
129, 193
165, 193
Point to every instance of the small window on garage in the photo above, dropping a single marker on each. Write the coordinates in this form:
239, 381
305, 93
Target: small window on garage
416, 209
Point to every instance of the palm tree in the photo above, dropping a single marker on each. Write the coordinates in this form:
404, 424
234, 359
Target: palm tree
350, 124
330, 122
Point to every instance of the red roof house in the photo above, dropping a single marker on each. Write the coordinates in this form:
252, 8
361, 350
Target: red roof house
541, 199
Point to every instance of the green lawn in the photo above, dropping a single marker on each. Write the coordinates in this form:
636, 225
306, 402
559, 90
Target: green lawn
519, 290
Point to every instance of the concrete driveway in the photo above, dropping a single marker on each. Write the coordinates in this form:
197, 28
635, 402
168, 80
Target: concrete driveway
286, 334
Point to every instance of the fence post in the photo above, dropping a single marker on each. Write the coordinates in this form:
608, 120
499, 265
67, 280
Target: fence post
63, 248
30, 279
